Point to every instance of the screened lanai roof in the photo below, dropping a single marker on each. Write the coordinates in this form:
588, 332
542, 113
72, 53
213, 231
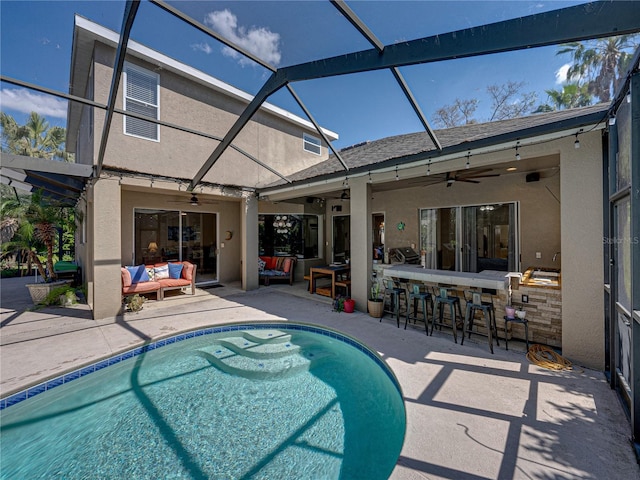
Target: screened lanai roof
366, 70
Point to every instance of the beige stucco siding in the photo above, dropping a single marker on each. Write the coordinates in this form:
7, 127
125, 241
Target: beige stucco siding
539, 210
270, 139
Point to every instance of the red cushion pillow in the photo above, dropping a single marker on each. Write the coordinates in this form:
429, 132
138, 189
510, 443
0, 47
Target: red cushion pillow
187, 271
286, 268
126, 277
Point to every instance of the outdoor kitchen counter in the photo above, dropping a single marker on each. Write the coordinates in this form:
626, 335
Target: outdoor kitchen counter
486, 279
543, 303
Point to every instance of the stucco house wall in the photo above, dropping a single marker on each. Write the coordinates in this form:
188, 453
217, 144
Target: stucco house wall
184, 102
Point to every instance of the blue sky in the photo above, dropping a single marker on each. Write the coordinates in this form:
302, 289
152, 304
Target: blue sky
37, 37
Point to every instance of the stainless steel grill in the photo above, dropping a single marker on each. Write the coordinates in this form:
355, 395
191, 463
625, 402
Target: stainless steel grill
406, 255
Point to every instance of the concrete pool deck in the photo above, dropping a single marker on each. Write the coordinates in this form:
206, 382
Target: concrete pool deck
470, 414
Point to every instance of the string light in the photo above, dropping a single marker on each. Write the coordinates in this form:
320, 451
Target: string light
576, 144
429, 168
397, 177
370, 180
468, 164
517, 152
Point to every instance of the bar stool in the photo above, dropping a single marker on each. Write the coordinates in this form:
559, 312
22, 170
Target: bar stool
476, 303
394, 292
416, 295
523, 321
442, 298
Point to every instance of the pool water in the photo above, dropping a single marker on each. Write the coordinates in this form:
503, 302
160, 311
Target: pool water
264, 403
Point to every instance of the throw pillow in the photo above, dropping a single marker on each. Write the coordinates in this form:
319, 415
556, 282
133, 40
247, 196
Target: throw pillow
271, 263
126, 277
161, 272
138, 274
175, 270
188, 270
261, 264
286, 267
151, 272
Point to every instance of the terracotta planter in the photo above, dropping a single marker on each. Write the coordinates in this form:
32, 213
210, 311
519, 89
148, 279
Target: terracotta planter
510, 311
349, 305
375, 308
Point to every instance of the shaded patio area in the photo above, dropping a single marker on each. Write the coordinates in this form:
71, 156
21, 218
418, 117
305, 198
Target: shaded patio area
470, 414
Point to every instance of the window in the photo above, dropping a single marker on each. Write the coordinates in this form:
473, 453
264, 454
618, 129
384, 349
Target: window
283, 234
470, 239
311, 144
141, 96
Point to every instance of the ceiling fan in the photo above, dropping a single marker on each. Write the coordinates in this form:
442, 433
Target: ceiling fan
461, 176
195, 201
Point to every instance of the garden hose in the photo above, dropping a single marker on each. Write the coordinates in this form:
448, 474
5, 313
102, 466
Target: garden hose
546, 357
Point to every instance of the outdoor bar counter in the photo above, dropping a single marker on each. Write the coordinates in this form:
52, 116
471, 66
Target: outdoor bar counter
543, 303
492, 279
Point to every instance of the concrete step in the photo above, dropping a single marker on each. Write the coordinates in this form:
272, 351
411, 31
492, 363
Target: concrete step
261, 355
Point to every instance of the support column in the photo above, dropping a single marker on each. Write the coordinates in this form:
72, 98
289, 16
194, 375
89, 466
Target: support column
581, 251
249, 242
361, 242
105, 210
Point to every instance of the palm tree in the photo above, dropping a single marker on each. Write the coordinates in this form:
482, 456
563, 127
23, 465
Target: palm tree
33, 139
18, 234
599, 64
44, 219
571, 96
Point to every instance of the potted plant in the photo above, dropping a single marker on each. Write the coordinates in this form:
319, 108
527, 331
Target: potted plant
134, 303
338, 303
374, 303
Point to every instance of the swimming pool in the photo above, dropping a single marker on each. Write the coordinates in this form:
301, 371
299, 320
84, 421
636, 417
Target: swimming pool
245, 401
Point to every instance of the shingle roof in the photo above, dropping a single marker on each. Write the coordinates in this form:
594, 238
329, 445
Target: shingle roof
409, 147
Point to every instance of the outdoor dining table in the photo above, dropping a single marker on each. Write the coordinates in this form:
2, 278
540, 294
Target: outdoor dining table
328, 270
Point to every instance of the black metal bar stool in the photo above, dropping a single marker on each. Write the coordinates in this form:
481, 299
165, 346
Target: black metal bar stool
394, 293
442, 298
475, 303
524, 322
415, 296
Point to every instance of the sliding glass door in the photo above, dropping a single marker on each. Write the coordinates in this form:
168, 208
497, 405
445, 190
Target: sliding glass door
341, 238
165, 236
470, 239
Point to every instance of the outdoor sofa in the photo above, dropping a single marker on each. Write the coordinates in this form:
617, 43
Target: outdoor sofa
276, 269
158, 278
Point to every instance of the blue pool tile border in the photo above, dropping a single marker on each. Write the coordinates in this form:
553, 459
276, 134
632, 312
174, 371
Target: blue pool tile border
86, 370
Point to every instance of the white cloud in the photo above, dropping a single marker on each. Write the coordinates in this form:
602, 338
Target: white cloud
25, 101
561, 74
203, 47
260, 41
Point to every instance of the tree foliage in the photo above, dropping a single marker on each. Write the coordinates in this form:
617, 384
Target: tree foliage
30, 231
572, 95
507, 101
459, 113
599, 64
36, 138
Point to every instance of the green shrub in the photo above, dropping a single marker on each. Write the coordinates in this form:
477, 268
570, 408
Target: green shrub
54, 295
9, 273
